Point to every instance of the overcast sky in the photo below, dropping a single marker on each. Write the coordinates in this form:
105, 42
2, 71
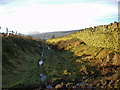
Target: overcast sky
56, 15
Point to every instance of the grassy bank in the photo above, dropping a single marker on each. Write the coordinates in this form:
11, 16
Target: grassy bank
20, 56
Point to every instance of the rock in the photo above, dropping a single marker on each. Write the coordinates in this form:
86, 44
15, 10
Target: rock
111, 82
104, 83
74, 87
81, 85
98, 84
69, 84
59, 86
91, 85
107, 58
116, 59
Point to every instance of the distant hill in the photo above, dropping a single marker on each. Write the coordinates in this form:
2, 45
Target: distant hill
49, 35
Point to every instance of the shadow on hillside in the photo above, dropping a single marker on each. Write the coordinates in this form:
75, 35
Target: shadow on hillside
76, 64
83, 69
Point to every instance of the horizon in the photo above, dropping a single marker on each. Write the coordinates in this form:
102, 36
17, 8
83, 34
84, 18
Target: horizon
49, 16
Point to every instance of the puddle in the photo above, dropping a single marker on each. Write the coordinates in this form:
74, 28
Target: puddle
43, 77
42, 54
41, 74
48, 48
40, 63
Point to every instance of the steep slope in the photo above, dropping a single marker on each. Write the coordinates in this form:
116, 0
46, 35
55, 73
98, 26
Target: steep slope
96, 54
20, 55
105, 36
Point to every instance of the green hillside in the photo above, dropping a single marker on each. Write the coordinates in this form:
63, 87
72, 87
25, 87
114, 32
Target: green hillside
105, 36
20, 55
95, 53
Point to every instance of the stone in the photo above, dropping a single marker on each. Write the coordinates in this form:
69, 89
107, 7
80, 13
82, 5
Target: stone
107, 58
109, 27
58, 86
116, 59
119, 25
115, 25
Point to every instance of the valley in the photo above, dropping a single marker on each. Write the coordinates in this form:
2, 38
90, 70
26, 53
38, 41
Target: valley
76, 60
